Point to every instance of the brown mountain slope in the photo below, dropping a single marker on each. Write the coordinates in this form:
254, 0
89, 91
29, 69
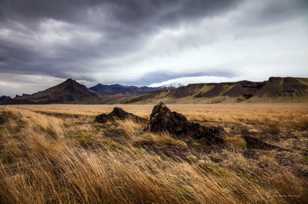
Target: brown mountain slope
281, 87
214, 90
275, 89
69, 91
244, 89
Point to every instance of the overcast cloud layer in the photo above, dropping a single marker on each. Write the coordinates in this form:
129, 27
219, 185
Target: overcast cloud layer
149, 42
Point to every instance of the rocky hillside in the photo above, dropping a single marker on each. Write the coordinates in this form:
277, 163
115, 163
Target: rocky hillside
275, 89
281, 87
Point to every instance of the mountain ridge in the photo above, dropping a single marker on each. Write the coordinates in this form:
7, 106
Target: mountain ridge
121, 89
69, 91
285, 89
275, 89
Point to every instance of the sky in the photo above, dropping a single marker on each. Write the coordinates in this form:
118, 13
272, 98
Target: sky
149, 42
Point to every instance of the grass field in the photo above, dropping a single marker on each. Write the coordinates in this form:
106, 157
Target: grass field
58, 154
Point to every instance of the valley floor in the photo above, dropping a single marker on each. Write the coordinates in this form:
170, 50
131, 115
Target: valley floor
58, 154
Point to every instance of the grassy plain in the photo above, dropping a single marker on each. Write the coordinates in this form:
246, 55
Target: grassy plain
58, 154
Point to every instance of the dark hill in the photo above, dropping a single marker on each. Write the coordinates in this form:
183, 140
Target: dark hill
284, 87
69, 91
5, 100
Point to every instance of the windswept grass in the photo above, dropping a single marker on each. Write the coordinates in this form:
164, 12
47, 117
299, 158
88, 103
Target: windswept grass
50, 159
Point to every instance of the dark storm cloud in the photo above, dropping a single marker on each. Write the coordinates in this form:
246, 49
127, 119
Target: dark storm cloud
124, 25
275, 11
126, 11
33, 10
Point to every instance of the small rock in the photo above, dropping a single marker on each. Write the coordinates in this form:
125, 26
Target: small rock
162, 119
255, 143
2, 119
303, 171
118, 114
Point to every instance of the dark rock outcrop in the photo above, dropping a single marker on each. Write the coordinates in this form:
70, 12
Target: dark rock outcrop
162, 119
118, 114
255, 143
2, 119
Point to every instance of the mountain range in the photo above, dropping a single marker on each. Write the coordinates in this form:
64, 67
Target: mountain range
122, 90
276, 89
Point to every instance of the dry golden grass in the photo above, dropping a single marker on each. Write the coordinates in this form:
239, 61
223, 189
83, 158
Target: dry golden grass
216, 112
57, 154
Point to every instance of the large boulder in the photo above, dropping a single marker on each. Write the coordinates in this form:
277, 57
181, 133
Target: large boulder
118, 114
162, 119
